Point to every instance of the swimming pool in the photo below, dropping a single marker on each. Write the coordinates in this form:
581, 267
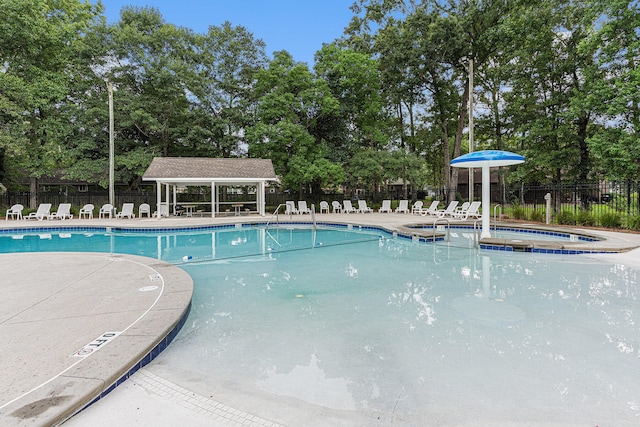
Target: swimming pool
354, 327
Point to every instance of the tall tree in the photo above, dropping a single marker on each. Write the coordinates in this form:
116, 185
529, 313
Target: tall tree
616, 96
225, 64
291, 101
552, 76
149, 67
39, 42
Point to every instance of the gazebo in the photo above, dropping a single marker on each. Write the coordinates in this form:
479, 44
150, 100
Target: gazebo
174, 172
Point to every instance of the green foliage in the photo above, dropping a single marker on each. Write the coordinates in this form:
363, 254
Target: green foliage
537, 216
584, 217
291, 102
633, 222
518, 212
565, 217
610, 220
558, 83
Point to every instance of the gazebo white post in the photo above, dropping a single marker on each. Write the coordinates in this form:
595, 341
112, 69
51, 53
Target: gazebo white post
167, 196
214, 202
175, 197
158, 199
486, 202
260, 198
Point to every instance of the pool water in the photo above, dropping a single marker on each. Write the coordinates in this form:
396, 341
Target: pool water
355, 328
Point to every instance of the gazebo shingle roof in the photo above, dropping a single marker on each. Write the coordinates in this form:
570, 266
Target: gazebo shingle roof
205, 168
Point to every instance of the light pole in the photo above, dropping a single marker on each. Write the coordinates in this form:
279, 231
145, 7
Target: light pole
471, 183
111, 161
470, 70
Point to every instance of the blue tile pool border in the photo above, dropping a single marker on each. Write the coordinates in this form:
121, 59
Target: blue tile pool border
146, 359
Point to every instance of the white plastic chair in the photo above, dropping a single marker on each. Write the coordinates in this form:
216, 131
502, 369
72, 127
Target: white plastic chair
348, 207
144, 209
432, 209
386, 206
106, 210
416, 209
302, 207
127, 211
63, 212
324, 207
403, 207
86, 211
337, 207
44, 209
14, 212
449, 211
471, 211
290, 207
363, 208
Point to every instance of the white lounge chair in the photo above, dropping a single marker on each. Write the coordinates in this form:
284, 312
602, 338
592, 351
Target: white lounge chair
302, 207
432, 209
106, 210
44, 209
63, 212
127, 211
348, 207
337, 207
324, 207
162, 212
471, 211
403, 207
449, 211
363, 208
463, 208
144, 209
416, 209
386, 207
290, 207
86, 211
14, 212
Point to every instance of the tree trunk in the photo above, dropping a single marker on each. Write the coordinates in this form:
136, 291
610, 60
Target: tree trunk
33, 192
462, 117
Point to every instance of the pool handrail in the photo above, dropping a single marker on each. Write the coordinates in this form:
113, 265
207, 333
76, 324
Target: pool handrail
476, 232
275, 214
313, 215
495, 222
448, 229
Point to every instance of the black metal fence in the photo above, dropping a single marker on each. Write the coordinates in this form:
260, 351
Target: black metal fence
597, 198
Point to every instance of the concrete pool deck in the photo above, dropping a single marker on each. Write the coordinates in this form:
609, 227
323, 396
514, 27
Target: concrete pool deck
58, 308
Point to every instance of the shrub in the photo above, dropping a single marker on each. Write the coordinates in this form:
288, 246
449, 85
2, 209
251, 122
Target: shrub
633, 222
537, 216
565, 217
518, 212
610, 220
584, 217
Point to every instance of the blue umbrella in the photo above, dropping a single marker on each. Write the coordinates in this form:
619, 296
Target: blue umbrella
486, 159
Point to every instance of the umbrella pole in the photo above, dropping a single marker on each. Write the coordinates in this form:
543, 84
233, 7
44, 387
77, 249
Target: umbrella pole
486, 202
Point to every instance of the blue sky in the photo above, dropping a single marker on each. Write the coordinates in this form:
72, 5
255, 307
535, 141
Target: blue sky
297, 26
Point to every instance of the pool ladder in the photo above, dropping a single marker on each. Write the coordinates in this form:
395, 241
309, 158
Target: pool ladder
435, 223
495, 221
276, 212
477, 228
275, 215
